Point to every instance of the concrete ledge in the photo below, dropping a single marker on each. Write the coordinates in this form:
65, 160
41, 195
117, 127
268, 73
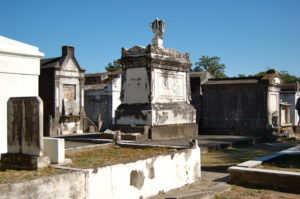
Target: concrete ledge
245, 173
285, 180
21, 161
163, 132
135, 180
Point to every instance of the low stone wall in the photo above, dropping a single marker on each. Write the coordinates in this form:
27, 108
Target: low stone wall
283, 180
69, 185
246, 173
140, 179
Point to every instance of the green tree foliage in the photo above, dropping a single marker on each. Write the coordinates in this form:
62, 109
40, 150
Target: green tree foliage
114, 66
285, 76
288, 78
260, 74
212, 65
242, 75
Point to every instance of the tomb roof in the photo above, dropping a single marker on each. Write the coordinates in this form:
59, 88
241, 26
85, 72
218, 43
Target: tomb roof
58, 62
244, 80
10, 46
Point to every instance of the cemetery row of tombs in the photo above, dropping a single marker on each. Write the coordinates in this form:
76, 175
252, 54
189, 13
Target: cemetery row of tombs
153, 96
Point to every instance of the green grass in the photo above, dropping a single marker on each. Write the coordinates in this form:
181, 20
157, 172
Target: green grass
88, 159
11, 175
91, 159
285, 163
219, 161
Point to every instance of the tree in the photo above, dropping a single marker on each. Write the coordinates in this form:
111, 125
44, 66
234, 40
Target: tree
285, 76
288, 78
260, 74
111, 67
242, 75
212, 65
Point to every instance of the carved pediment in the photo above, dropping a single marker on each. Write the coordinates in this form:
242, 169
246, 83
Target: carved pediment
70, 66
135, 50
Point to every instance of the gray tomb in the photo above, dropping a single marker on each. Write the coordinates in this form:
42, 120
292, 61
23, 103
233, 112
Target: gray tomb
25, 134
155, 90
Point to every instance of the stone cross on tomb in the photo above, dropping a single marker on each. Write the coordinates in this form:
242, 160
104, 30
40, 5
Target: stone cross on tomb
158, 28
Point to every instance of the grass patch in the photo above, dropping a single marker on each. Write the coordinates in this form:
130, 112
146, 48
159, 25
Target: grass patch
219, 161
91, 159
284, 163
11, 175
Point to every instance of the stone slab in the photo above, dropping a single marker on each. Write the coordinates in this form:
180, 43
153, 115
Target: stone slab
55, 149
163, 132
21, 161
283, 180
25, 125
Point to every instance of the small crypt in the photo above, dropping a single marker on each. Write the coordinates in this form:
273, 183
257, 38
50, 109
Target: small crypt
61, 85
155, 93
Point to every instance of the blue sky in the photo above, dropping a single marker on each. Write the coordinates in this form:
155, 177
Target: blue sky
248, 35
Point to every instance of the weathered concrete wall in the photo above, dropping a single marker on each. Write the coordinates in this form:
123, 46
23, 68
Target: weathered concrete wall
99, 102
136, 86
273, 102
155, 88
291, 98
62, 186
197, 79
284, 180
238, 109
144, 178
103, 101
19, 71
169, 86
69, 106
134, 180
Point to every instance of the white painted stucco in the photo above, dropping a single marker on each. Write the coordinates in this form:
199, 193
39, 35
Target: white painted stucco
161, 174
116, 91
171, 116
169, 87
291, 98
54, 148
19, 71
273, 102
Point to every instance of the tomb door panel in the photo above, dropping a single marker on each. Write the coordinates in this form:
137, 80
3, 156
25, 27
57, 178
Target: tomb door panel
69, 98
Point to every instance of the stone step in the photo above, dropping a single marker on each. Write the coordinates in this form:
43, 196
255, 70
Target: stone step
126, 136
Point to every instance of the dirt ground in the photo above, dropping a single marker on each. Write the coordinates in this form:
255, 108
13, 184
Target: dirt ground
238, 192
219, 161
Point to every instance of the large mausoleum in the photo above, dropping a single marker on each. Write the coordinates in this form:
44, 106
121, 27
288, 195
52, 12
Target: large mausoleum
242, 106
155, 90
61, 87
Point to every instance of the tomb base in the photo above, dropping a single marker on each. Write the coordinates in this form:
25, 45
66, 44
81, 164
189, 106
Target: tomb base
22, 161
164, 132
160, 132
